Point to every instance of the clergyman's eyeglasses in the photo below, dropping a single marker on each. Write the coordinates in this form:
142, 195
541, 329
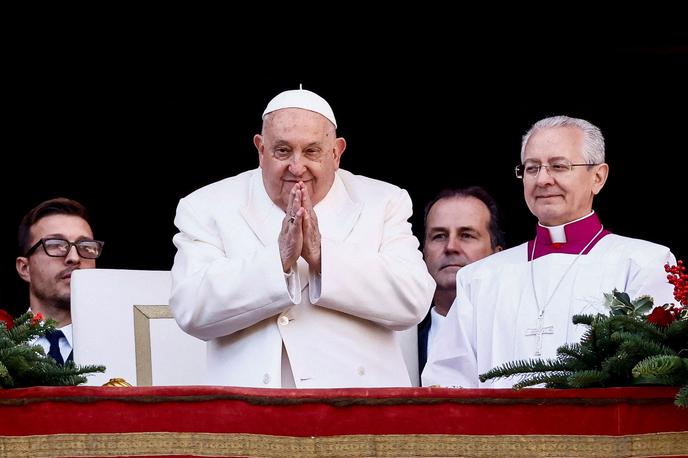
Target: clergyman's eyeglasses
59, 248
559, 168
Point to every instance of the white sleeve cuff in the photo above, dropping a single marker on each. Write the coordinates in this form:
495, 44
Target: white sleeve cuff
314, 286
293, 286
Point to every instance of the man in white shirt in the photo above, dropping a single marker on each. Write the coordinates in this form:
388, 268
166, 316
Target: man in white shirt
461, 226
297, 273
518, 304
55, 239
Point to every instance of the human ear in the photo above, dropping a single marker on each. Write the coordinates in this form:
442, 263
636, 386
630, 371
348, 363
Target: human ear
23, 269
258, 141
600, 177
339, 147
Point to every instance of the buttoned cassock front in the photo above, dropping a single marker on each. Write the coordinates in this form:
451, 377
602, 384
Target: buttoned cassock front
338, 330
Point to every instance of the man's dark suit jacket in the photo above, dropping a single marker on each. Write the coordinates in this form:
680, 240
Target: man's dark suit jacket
423, 331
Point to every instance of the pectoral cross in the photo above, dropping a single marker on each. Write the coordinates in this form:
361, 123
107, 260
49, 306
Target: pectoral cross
538, 332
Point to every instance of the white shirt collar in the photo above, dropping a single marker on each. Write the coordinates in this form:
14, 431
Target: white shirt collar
557, 233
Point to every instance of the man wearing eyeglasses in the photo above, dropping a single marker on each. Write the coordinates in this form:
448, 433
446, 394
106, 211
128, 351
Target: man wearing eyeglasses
518, 304
55, 239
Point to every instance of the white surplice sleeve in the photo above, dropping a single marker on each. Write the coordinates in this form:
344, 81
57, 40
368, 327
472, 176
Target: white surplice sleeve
452, 361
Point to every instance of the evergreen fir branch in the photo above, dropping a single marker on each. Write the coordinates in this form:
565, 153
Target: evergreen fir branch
5, 342
551, 380
594, 336
677, 327
682, 396
588, 378
46, 372
588, 337
661, 370
630, 324
578, 357
523, 366
676, 335
583, 319
623, 348
600, 341
26, 330
619, 368
5, 377
639, 346
24, 363
29, 352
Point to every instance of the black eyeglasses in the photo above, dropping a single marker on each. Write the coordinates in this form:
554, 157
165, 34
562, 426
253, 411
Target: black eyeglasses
59, 248
531, 170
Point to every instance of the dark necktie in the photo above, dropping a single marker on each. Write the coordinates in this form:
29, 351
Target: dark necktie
54, 339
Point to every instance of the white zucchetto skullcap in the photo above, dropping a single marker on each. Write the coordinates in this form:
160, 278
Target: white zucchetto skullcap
301, 98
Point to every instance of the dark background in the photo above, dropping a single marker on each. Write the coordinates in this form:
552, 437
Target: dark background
100, 124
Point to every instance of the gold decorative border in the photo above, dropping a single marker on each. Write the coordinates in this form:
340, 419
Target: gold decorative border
142, 342
363, 445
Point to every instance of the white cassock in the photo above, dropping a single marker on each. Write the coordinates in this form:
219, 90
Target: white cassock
494, 319
307, 330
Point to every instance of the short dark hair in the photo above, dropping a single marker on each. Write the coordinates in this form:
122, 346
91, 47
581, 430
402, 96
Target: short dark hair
56, 206
496, 234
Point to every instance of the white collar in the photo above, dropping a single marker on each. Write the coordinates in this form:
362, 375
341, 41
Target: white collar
557, 233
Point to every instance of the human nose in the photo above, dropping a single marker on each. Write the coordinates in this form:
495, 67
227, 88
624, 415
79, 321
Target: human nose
72, 255
296, 166
453, 244
544, 175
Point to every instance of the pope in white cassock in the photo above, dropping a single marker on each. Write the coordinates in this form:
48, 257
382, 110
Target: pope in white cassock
298, 273
518, 304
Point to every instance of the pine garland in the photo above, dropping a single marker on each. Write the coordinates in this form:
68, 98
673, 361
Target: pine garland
23, 364
625, 348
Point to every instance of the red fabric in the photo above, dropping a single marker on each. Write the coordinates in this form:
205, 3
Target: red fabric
611, 411
7, 319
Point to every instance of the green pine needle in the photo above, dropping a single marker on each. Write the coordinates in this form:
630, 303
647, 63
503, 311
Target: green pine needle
523, 366
24, 364
588, 378
551, 380
661, 370
682, 396
619, 349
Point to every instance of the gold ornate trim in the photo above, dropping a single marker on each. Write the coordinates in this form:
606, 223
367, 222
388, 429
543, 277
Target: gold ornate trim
142, 341
363, 445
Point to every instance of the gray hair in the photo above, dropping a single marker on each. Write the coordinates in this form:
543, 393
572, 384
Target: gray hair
593, 141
